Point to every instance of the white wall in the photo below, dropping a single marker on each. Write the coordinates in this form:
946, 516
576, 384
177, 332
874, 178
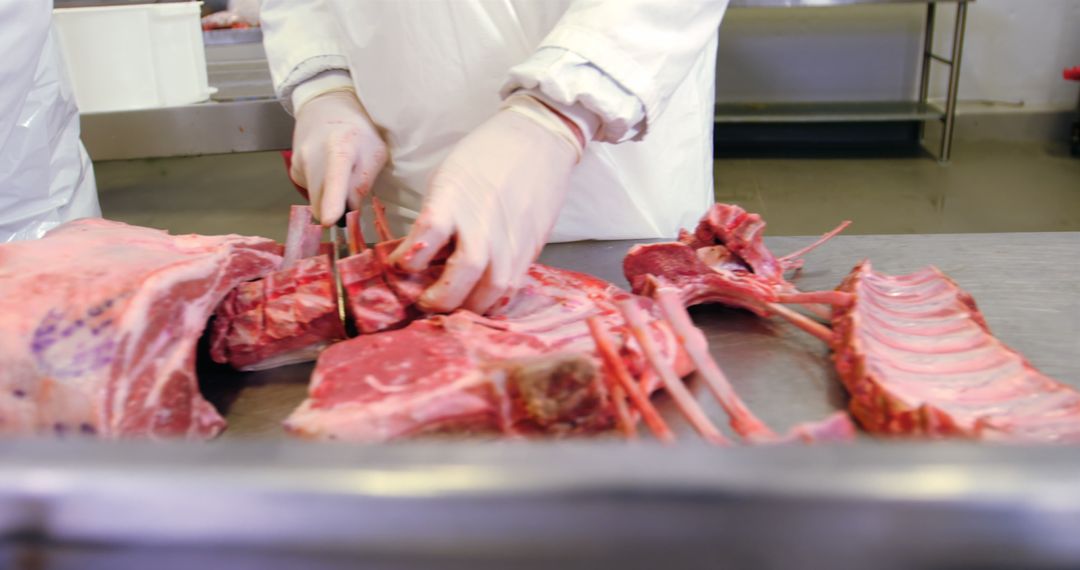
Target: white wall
1015, 51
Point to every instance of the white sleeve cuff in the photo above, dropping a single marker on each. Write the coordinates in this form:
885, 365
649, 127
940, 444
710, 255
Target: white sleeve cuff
323, 82
603, 109
534, 110
306, 70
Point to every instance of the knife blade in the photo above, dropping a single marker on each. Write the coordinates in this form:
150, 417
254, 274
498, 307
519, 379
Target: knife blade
336, 243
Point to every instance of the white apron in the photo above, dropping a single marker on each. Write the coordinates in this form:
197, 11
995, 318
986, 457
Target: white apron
46, 177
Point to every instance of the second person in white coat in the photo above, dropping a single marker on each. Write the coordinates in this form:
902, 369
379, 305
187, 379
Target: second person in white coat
500, 124
46, 177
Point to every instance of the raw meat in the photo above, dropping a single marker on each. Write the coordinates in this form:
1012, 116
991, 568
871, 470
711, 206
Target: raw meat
723, 261
294, 315
836, 428
918, 359
288, 317
378, 296
371, 303
529, 367
100, 325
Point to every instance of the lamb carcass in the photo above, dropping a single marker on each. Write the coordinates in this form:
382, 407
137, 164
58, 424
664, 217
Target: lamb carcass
724, 260
556, 359
528, 367
918, 359
100, 324
913, 351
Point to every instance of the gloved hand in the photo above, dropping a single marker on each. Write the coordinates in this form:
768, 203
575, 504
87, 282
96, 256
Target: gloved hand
337, 153
496, 196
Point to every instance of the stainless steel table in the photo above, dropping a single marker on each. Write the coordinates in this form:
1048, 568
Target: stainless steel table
918, 110
260, 501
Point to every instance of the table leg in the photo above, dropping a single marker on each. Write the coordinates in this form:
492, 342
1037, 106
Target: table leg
927, 60
954, 81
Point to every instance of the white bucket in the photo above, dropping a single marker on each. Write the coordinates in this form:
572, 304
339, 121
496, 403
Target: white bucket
136, 56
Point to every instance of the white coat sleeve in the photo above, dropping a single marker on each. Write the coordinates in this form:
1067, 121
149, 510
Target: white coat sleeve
302, 44
602, 53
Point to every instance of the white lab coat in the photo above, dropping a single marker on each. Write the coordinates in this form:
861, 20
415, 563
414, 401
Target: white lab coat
428, 72
46, 177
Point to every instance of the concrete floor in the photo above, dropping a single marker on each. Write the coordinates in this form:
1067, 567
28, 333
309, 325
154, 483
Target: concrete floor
241, 193
989, 187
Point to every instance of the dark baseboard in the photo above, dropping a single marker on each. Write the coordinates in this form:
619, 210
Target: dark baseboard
1055, 129
817, 140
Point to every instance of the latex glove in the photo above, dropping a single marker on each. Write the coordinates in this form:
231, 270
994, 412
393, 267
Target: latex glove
337, 153
496, 196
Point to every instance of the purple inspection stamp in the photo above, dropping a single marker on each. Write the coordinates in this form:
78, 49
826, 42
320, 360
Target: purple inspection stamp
71, 343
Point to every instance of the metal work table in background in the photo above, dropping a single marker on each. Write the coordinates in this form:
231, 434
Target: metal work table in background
918, 110
245, 119
260, 501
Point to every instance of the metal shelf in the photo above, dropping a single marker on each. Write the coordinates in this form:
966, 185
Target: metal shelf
918, 110
826, 112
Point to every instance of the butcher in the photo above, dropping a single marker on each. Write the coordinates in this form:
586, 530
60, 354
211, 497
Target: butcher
46, 177
495, 126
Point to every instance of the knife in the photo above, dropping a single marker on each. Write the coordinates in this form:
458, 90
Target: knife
337, 242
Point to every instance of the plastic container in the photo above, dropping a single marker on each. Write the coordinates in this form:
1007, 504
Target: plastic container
136, 56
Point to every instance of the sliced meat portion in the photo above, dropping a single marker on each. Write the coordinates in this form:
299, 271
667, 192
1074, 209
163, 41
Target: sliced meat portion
100, 325
529, 367
370, 302
378, 296
288, 317
679, 266
741, 234
724, 260
294, 314
918, 359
